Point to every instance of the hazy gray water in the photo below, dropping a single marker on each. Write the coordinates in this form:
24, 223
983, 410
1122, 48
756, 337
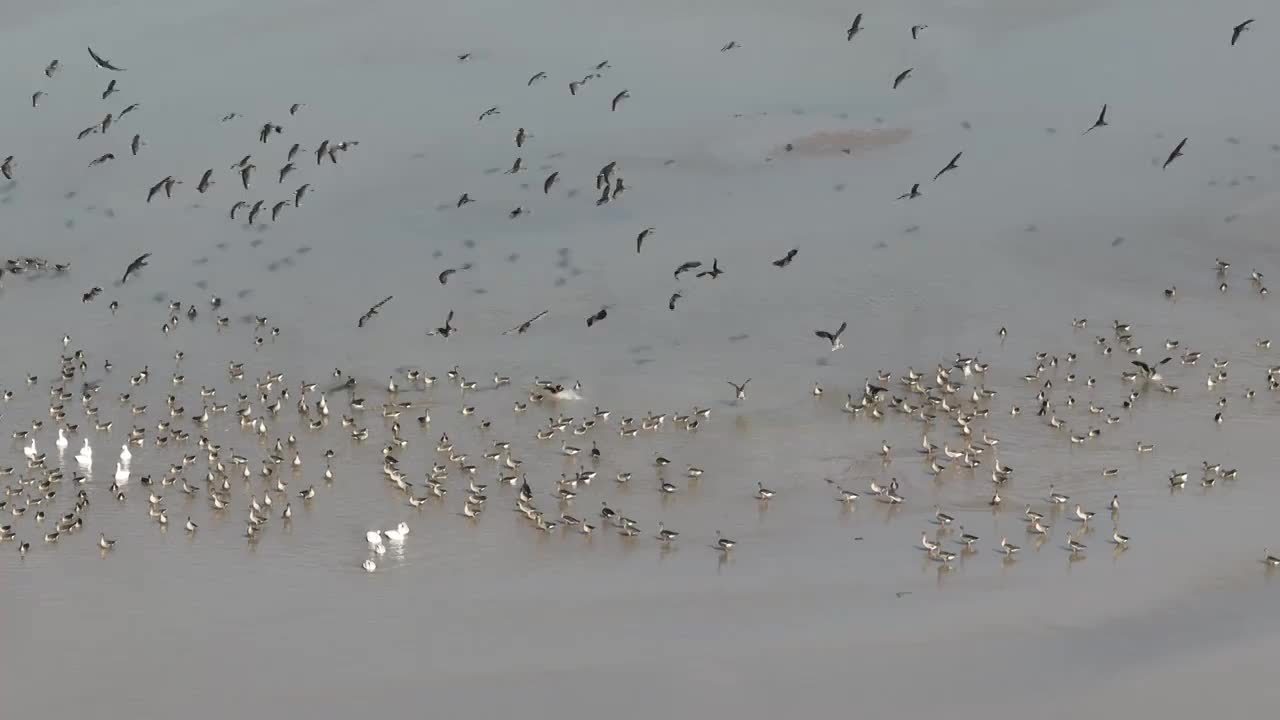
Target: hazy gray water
492, 617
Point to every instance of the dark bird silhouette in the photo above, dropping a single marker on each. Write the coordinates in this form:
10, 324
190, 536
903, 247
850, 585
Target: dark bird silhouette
244, 174
129, 109
785, 260
901, 76
641, 237
536, 78
618, 99
51, 68
1177, 153
516, 166
293, 150
368, 315
911, 194
169, 182
294, 108
671, 304
517, 212
87, 132
253, 211
915, 31
714, 272
35, 98
448, 328
102, 62
523, 327
320, 151
297, 194
275, 209
491, 111
155, 189
138, 263
604, 196
206, 181
136, 144
464, 199
6, 168
265, 132
443, 277
101, 159
236, 208
855, 28
284, 172
598, 316
685, 267
833, 338
950, 166
1100, 122
551, 180
89, 296
106, 123
1237, 30
111, 88
740, 391
731, 45
521, 136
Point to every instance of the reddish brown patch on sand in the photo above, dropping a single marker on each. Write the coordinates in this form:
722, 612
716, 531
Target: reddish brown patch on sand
844, 142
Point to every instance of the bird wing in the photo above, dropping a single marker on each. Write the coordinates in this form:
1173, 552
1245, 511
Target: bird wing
843, 325
102, 63
824, 335
1145, 367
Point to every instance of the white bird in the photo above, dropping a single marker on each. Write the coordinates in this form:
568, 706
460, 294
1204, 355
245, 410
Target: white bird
374, 537
125, 455
122, 474
398, 534
369, 565
30, 450
85, 456
61, 442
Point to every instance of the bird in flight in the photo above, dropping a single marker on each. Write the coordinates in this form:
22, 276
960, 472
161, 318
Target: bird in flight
687, 266
35, 98
618, 99
551, 180
101, 159
138, 263
731, 45
1239, 29
448, 328
103, 63
1177, 153
785, 260
950, 166
901, 76
833, 338
491, 111
368, 315
6, 168
640, 238
911, 194
1150, 372
1100, 122
740, 391
714, 272
523, 327
855, 28
598, 316
206, 180
671, 304
443, 277
51, 68
536, 78
915, 30
111, 89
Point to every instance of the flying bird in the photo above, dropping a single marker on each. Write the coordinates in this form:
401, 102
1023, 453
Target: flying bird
911, 194
6, 168
448, 328
740, 391
640, 238
1100, 122
103, 63
51, 68
598, 316
1237, 30
35, 98
244, 174
87, 132
155, 189
129, 109
294, 108
671, 304
111, 88
1177, 153
491, 111
901, 76
714, 272
275, 209
320, 151
536, 78
950, 166
235, 208
687, 266
619, 98
915, 30
293, 151
785, 260
373, 311
284, 172
833, 338
523, 327
551, 180
253, 211
731, 45
464, 200
855, 28
138, 263
264, 133
443, 277
136, 144
520, 137
101, 159
205, 181
297, 194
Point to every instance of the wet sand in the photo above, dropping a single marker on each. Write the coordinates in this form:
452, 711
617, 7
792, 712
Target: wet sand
493, 617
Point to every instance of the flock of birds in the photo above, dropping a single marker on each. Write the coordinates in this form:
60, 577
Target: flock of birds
50, 499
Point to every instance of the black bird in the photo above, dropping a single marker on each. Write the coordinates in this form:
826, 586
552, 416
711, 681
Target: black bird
640, 238
444, 276
1100, 122
523, 327
93, 293
915, 30
253, 211
244, 174
714, 272
293, 150
833, 338
1237, 30
855, 28
551, 180
731, 45
206, 181
950, 166
294, 108
618, 99
111, 88
536, 78
785, 260
235, 208
101, 159
139, 263
128, 110
265, 132
1150, 372
685, 267
1177, 153
136, 144
51, 68
373, 311
602, 314
911, 194
491, 111
671, 304
464, 200
275, 209
155, 189
901, 76
297, 194
448, 328
740, 391
102, 63
320, 151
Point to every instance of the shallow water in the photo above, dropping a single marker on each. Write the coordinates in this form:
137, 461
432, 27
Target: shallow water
1038, 226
